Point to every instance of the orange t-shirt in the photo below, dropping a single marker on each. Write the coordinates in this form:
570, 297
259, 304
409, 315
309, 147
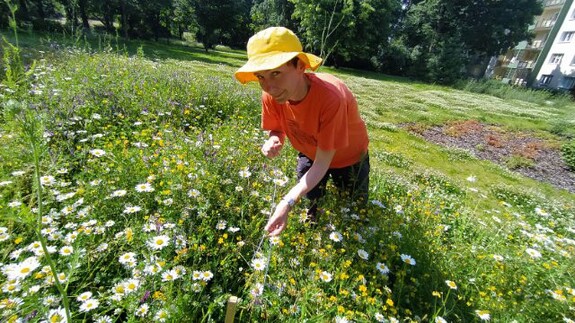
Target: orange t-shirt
327, 118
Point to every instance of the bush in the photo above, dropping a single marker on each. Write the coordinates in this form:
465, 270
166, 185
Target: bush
505, 91
568, 152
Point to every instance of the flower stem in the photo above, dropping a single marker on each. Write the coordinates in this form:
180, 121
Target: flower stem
31, 128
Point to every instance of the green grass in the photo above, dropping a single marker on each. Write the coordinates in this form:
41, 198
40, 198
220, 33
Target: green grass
173, 121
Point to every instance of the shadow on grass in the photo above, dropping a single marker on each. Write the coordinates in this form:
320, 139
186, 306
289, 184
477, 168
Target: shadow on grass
176, 49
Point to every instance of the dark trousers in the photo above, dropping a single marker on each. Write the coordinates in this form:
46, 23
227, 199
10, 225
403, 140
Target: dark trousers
352, 183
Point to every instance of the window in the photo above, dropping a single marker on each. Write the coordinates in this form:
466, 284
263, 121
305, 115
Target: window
567, 36
556, 59
573, 60
567, 82
545, 80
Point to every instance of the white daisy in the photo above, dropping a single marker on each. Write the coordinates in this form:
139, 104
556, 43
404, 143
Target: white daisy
170, 275
363, 254
144, 187
131, 209
281, 181
142, 310
14, 204
245, 173
257, 290
483, 315
336, 236
103, 319
533, 253
207, 275
194, 193
221, 225
541, 212
127, 257
57, 315
21, 270
382, 268
131, 285
325, 276
47, 180
66, 250
259, 264
89, 305
196, 275
162, 315
440, 319
451, 284
118, 193
159, 242
408, 259
97, 152
275, 240
84, 296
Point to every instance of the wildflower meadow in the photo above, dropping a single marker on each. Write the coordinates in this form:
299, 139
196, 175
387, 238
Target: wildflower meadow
133, 190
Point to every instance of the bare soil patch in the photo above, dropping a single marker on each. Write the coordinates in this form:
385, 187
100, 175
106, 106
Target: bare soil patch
524, 153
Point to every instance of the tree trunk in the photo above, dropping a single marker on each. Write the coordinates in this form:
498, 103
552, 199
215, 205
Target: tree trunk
124, 18
22, 12
41, 13
84, 15
71, 17
156, 25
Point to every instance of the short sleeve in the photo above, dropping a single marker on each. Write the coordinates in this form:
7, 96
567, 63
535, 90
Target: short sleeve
270, 114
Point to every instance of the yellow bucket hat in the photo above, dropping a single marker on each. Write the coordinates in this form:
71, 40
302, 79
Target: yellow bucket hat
271, 48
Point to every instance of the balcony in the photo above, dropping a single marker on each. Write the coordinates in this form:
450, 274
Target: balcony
554, 3
517, 64
536, 45
545, 24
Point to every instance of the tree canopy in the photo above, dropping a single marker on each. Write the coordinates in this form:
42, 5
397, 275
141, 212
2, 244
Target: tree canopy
430, 39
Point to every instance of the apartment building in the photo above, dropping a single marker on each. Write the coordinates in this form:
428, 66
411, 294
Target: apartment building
548, 61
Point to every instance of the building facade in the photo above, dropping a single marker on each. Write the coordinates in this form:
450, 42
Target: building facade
548, 61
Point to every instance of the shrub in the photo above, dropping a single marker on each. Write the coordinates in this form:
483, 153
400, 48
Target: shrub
568, 153
505, 91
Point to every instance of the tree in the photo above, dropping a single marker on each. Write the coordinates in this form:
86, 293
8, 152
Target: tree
183, 17
478, 29
268, 13
490, 27
106, 12
218, 20
351, 30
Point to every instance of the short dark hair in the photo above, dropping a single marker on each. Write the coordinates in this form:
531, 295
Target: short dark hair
294, 61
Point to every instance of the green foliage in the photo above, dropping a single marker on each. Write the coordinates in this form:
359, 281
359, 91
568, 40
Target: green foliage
332, 27
517, 161
458, 155
393, 159
568, 153
266, 13
445, 61
432, 29
222, 21
153, 177
505, 91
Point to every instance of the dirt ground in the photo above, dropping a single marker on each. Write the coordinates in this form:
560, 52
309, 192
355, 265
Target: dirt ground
523, 153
